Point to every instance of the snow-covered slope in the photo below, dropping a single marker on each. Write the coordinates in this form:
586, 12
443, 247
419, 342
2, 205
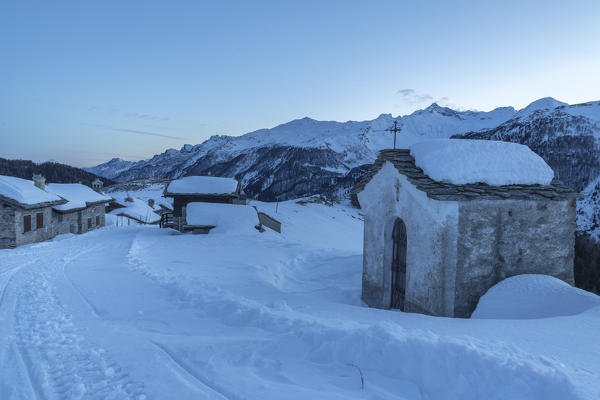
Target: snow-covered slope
567, 137
110, 169
588, 210
148, 313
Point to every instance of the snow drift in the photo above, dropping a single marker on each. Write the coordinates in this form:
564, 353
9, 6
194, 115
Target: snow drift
224, 217
533, 296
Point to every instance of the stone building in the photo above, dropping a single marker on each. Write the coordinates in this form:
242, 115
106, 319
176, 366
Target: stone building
84, 210
33, 211
25, 212
433, 246
202, 189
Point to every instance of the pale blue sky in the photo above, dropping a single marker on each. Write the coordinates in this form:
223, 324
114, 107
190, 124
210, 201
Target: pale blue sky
83, 82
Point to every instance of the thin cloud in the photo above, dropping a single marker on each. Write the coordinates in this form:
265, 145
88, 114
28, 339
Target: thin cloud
139, 132
125, 114
411, 96
146, 117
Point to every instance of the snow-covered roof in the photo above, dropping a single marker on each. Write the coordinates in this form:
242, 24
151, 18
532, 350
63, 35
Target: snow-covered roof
225, 217
77, 195
404, 163
137, 209
25, 192
162, 204
486, 161
202, 185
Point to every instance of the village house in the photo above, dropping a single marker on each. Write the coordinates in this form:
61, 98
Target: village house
84, 210
446, 221
199, 189
25, 212
33, 211
132, 210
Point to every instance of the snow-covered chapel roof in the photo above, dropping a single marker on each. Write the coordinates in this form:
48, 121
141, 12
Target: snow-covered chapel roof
202, 185
481, 161
459, 178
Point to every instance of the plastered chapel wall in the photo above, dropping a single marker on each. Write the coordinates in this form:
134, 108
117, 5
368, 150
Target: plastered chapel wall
432, 228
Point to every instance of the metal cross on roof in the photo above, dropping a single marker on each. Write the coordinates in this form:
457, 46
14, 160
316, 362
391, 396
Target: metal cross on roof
394, 129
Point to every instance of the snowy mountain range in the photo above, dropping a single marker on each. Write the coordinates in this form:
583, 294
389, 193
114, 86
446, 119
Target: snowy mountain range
305, 156
566, 136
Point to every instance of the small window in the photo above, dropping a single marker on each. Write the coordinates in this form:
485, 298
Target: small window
26, 223
97, 220
60, 218
72, 228
89, 223
39, 220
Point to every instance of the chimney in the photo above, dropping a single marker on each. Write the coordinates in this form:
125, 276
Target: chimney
39, 181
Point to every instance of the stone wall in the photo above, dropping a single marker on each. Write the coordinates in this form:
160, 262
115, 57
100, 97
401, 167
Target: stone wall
77, 221
66, 222
12, 223
7, 226
48, 231
503, 238
91, 213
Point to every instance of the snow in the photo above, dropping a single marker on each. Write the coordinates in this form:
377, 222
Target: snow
357, 141
137, 208
144, 189
471, 161
143, 313
76, 194
588, 210
533, 296
24, 191
225, 218
111, 168
545, 103
203, 185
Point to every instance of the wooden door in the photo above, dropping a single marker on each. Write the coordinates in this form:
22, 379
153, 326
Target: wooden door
398, 265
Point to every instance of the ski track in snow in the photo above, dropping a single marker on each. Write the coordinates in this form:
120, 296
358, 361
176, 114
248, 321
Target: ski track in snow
53, 354
189, 374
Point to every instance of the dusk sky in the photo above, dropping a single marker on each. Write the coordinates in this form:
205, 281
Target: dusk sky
83, 82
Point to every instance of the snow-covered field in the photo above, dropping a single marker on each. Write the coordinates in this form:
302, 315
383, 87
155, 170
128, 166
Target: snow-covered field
148, 313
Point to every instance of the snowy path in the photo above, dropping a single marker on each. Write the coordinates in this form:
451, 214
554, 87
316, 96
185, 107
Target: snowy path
135, 313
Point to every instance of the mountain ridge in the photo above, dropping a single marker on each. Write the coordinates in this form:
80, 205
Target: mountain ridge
305, 156
359, 141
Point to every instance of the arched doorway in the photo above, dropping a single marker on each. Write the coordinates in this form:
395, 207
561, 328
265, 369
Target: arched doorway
398, 265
